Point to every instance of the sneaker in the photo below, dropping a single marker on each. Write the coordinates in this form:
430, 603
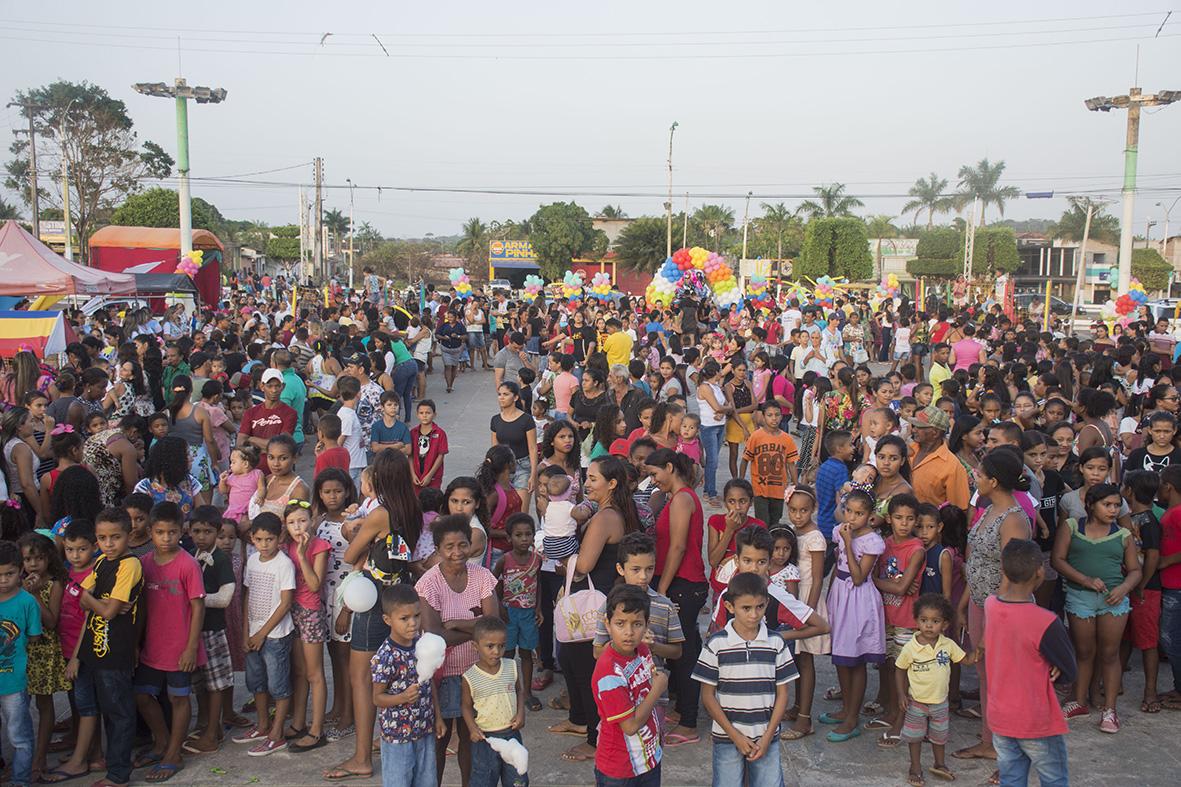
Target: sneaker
266, 747
252, 735
1110, 721
1073, 710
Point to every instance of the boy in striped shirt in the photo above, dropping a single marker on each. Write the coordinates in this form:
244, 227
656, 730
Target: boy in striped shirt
744, 671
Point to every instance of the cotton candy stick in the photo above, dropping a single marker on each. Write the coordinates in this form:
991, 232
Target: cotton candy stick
512, 752
429, 655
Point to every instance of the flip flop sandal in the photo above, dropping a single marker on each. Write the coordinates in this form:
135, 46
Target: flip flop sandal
888, 741
533, 704
792, 734
972, 712
675, 739
60, 775
163, 767
572, 733
915, 781
145, 758
560, 702
344, 774
941, 773
877, 724
872, 709
190, 746
1150, 707
298, 748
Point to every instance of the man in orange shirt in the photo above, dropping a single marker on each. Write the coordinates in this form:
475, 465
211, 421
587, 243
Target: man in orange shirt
772, 455
936, 474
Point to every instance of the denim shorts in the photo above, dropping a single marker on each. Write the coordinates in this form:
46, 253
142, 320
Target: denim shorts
449, 695
1089, 604
521, 474
522, 629
369, 630
151, 681
409, 763
475, 339
269, 668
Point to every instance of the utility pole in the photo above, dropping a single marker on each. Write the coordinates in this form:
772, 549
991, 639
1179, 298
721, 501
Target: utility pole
181, 92
1081, 266
303, 223
745, 223
685, 227
1132, 102
350, 182
33, 201
668, 206
318, 226
970, 242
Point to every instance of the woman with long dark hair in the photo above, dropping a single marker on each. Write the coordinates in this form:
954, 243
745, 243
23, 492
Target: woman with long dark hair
967, 437
514, 427
128, 394
192, 425
20, 466
893, 464
384, 545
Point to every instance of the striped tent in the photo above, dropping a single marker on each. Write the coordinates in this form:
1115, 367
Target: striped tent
42, 333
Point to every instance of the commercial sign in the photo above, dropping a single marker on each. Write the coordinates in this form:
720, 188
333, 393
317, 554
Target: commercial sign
53, 231
907, 248
511, 251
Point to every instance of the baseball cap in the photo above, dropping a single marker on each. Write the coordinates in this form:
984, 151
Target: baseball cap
931, 417
271, 374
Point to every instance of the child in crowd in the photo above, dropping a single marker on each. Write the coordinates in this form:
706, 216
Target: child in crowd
626, 686
922, 681
558, 526
429, 449
733, 663
352, 435
104, 658
268, 589
389, 431
540, 414
229, 543
309, 554
80, 550
407, 714
282, 485
855, 608
688, 442
45, 577
772, 456
138, 506
214, 682
493, 703
329, 451
517, 570
898, 578
831, 476
783, 571
721, 530
863, 477
1028, 650
174, 607
1139, 490
811, 548
241, 482
20, 616
495, 475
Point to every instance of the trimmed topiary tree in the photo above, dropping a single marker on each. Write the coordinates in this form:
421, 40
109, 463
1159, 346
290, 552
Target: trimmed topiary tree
1151, 269
836, 247
995, 252
940, 252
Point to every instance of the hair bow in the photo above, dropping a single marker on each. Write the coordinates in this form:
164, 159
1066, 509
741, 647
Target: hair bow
12, 502
25, 347
61, 429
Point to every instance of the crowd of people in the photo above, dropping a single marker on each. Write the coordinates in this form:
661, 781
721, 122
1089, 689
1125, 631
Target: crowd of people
910, 487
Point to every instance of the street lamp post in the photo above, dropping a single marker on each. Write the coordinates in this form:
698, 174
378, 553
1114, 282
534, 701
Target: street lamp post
1132, 102
181, 92
668, 206
1164, 247
350, 182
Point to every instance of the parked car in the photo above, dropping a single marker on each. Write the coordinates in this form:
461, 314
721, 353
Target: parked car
1027, 300
498, 285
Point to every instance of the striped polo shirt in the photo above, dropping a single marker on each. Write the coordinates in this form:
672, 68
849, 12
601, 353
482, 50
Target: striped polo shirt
746, 674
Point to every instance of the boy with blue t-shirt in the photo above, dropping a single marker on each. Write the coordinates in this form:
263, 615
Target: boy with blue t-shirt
389, 431
20, 622
830, 477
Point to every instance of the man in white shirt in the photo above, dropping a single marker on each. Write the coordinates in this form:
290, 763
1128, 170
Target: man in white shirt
791, 317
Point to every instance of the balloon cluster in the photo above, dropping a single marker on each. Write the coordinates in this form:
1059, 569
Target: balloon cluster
461, 283
717, 272
889, 286
826, 289
601, 286
756, 292
190, 263
572, 282
533, 287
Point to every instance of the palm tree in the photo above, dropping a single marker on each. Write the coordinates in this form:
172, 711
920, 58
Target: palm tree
776, 221
509, 229
980, 182
714, 220
611, 212
928, 195
832, 202
367, 237
881, 227
338, 224
473, 243
8, 210
1104, 226
641, 244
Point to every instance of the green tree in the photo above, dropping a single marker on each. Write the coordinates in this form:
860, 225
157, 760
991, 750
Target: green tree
8, 210
641, 244
611, 212
509, 229
336, 223
881, 227
283, 243
981, 181
994, 251
398, 259
159, 207
835, 246
106, 159
367, 237
1104, 226
1150, 268
939, 253
473, 245
830, 201
560, 232
928, 194
776, 222
714, 221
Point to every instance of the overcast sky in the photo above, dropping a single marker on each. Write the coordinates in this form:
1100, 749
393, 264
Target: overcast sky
770, 97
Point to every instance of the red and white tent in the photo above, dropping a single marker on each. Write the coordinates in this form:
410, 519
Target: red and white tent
30, 268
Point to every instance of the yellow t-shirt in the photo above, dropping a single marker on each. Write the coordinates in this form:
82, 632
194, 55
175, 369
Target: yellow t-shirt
928, 668
618, 347
937, 375
494, 697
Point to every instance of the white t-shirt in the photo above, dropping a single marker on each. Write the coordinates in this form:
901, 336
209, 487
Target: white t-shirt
710, 416
790, 320
350, 430
558, 521
902, 339
267, 580
797, 359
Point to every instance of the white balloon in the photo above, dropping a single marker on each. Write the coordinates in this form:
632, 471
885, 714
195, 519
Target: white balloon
360, 594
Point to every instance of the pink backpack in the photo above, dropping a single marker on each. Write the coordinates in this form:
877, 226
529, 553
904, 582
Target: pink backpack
576, 615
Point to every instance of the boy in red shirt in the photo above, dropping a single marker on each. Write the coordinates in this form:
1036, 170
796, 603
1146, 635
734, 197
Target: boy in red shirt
329, 451
626, 687
1026, 649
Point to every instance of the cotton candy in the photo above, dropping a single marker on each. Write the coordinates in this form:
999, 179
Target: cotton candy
429, 655
512, 752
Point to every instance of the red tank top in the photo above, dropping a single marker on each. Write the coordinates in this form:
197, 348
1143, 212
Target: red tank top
692, 568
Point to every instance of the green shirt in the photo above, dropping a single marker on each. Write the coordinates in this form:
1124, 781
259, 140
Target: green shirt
1101, 557
401, 354
295, 396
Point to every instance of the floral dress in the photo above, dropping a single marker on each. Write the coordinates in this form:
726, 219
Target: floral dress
46, 667
338, 569
838, 411
182, 494
105, 466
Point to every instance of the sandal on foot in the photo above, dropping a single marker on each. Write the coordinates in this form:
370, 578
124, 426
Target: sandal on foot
560, 702
972, 712
341, 773
162, 772
877, 724
675, 739
1150, 706
533, 704
792, 734
942, 773
145, 758
888, 741
566, 728
833, 694
915, 779
191, 747
872, 708
55, 775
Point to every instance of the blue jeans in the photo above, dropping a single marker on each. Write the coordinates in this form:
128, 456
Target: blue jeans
731, 768
1014, 756
649, 779
711, 445
488, 770
18, 728
268, 669
110, 693
404, 376
1170, 632
410, 764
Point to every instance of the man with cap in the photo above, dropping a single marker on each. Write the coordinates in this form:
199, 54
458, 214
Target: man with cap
263, 421
936, 474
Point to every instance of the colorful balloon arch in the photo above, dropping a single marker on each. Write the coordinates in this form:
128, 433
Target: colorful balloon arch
718, 274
